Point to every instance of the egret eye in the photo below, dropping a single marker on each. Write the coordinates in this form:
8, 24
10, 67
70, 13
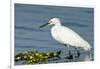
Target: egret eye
50, 22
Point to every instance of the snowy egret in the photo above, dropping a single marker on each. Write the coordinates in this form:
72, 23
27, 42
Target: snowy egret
67, 36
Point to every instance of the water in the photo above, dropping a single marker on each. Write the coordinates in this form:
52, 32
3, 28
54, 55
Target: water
28, 36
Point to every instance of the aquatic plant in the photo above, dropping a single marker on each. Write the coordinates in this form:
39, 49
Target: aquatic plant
36, 57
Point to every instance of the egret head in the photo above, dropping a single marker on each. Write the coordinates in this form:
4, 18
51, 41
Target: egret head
52, 21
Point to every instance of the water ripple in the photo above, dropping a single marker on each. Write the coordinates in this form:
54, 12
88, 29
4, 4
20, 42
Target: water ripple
29, 29
76, 24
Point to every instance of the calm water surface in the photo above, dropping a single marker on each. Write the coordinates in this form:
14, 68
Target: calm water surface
28, 36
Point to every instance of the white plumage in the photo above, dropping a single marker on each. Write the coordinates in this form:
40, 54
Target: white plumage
66, 36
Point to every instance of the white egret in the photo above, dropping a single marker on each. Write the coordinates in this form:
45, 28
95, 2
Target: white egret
67, 36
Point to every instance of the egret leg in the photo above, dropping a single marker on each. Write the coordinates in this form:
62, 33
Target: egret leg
78, 53
70, 55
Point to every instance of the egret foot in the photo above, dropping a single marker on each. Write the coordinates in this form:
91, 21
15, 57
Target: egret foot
59, 52
78, 53
70, 56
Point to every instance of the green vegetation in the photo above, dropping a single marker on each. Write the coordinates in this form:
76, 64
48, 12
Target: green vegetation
35, 57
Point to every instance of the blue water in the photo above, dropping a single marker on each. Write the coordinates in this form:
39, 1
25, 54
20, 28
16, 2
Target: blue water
28, 36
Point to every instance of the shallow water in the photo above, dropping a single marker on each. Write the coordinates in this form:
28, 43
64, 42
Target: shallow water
28, 36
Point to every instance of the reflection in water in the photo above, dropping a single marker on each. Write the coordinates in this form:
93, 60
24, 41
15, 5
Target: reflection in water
87, 58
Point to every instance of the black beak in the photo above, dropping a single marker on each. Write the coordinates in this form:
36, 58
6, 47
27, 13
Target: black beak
43, 25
